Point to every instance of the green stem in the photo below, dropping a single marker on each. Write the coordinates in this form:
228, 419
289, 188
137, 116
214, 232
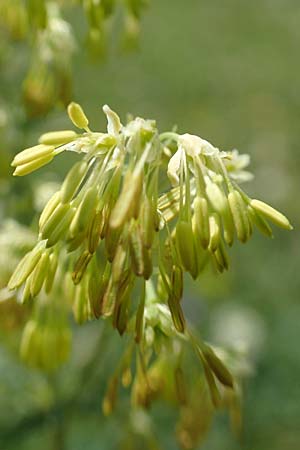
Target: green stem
169, 135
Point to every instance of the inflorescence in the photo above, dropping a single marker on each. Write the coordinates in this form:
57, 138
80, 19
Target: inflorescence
119, 236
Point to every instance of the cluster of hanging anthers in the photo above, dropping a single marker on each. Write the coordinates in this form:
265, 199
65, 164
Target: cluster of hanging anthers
112, 224
119, 238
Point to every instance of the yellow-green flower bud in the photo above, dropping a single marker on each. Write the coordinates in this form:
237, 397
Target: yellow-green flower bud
117, 270
25, 267
213, 389
57, 138
125, 206
54, 220
148, 222
216, 197
73, 180
74, 242
39, 274
185, 246
176, 313
32, 154
28, 348
77, 116
49, 208
96, 290
81, 305
85, 211
240, 216
147, 262
136, 250
80, 266
26, 294
95, 232
53, 262
214, 231
29, 167
177, 282
271, 214
260, 222
221, 258
112, 239
228, 226
217, 366
202, 220
60, 230
200, 252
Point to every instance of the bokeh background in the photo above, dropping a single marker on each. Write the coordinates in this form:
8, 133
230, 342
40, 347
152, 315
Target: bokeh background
228, 71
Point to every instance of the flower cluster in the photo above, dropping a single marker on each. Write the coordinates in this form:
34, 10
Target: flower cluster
110, 225
137, 211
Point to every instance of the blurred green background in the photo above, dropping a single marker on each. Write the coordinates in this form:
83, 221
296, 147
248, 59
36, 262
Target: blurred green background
229, 72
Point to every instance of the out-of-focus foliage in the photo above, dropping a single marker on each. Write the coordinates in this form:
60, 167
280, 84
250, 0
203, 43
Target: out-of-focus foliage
229, 73
44, 26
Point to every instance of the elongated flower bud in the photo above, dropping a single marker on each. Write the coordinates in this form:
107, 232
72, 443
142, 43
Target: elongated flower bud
214, 231
216, 197
60, 231
260, 222
177, 282
221, 258
185, 246
213, 389
29, 167
217, 366
73, 180
125, 205
85, 211
54, 220
57, 138
148, 222
240, 216
77, 116
96, 290
81, 305
112, 239
202, 220
28, 347
147, 263
176, 313
109, 299
49, 208
136, 250
271, 214
32, 154
120, 314
80, 266
95, 232
228, 226
74, 242
26, 294
200, 252
118, 264
39, 274
53, 263
25, 267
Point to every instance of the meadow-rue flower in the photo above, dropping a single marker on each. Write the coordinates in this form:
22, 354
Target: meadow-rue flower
137, 210
114, 195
